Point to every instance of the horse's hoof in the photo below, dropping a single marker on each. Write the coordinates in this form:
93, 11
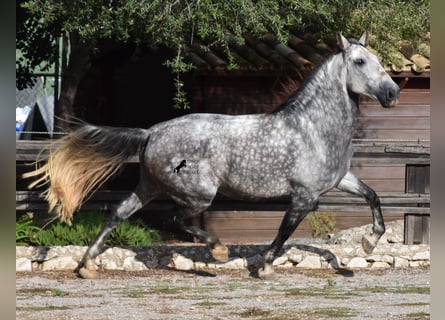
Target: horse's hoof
87, 274
266, 274
368, 244
220, 253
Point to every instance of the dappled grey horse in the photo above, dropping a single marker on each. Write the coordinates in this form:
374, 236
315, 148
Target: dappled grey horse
301, 151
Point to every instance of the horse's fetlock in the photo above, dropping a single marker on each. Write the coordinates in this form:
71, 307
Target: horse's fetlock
379, 229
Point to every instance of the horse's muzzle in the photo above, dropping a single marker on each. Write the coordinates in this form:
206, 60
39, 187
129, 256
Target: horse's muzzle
389, 95
393, 103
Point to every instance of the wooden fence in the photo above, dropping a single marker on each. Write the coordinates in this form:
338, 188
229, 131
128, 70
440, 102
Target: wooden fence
391, 168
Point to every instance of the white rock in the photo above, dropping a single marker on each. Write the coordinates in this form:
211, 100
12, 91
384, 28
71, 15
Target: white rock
179, 262
344, 261
374, 258
131, 264
380, 258
416, 264
400, 262
388, 259
109, 264
237, 263
107, 254
380, 265
24, 252
280, 260
311, 262
357, 262
59, 263
425, 255
286, 265
23, 264
296, 257
199, 265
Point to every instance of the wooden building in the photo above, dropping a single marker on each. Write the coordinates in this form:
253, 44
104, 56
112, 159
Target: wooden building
391, 145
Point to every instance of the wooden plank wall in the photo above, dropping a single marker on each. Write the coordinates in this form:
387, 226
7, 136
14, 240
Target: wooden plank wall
409, 120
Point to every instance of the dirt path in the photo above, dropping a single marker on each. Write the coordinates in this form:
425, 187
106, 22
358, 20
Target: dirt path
168, 294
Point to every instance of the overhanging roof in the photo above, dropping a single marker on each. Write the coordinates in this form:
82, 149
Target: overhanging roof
301, 53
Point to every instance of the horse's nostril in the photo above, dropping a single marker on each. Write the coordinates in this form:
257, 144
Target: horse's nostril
392, 94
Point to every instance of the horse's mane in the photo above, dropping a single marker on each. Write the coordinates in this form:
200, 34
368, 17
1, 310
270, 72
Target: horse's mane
295, 94
304, 84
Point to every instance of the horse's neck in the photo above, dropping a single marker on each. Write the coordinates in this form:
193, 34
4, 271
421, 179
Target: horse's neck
324, 95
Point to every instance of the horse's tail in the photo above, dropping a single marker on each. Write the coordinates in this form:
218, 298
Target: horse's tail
81, 162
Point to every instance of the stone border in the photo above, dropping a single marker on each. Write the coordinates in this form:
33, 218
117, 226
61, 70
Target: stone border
342, 251
195, 257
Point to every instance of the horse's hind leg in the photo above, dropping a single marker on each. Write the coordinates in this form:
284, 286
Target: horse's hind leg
352, 184
136, 200
187, 207
217, 249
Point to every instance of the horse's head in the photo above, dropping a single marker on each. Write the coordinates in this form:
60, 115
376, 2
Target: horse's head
365, 74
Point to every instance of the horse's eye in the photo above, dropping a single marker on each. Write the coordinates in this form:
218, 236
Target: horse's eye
359, 61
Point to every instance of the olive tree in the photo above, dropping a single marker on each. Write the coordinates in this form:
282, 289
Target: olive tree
177, 24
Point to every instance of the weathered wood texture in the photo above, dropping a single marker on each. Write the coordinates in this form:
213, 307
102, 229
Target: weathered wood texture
410, 120
391, 154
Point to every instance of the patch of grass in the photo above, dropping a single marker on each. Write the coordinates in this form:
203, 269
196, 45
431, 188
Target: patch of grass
163, 287
400, 290
60, 293
233, 285
254, 312
331, 283
137, 292
43, 308
42, 292
327, 292
416, 316
321, 224
412, 304
24, 230
333, 312
286, 317
86, 226
296, 292
208, 304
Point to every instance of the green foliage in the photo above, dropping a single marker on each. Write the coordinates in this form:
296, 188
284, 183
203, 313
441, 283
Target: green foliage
24, 230
322, 224
179, 24
133, 233
86, 226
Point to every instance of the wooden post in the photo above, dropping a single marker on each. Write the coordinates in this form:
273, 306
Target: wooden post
417, 226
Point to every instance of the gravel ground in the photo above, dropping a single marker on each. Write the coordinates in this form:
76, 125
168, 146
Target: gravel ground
221, 294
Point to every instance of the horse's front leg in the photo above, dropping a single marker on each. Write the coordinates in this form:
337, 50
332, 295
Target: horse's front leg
352, 184
300, 207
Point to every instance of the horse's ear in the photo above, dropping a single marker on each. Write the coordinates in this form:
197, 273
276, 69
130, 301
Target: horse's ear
342, 42
364, 39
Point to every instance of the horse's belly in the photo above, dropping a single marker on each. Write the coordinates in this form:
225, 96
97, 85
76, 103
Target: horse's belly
247, 191
254, 183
